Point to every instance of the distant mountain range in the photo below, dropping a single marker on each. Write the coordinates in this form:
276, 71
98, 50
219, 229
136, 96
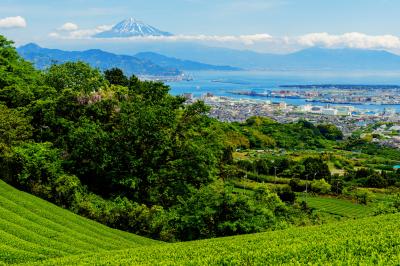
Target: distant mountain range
150, 64
131, 28
187, 65
43, 58
338, 59
308, 59
164, 60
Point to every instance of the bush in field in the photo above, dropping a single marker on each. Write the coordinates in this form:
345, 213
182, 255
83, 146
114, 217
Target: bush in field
215, 211
297, 185
286, 194
376, 180
320, 186
363, 196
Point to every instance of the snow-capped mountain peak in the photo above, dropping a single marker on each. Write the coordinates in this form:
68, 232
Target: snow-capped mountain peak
131, 27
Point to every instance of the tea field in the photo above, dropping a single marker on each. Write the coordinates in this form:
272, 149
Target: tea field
32, 229
367, 241
35, 232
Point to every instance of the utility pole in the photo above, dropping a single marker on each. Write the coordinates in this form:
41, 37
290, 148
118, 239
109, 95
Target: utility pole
244, 184
337, 186
258, 181
306, 186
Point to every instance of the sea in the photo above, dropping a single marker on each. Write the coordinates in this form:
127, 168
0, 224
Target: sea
222, 83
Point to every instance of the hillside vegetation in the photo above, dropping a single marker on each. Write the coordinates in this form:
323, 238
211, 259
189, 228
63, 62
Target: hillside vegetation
32, 229
128, 154
369, 241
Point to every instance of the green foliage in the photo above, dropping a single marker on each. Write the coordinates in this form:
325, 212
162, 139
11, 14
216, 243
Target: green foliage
315, 168
286, 194
116, 154
14, 127
320, 186
36, 162
236, 140
77, 76
266, 133
298, 185
215, 211
337, 185
37, 168
368, 177
376, 180
140, 142
330, 132
362, 196
364, 146
116, 77
19, 81
265, 166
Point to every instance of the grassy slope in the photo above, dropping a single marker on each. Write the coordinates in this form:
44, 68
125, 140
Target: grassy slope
32, 229
367, 241
341, 207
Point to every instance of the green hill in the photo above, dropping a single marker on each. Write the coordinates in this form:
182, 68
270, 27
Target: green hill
32, 229
368, 241
35, 231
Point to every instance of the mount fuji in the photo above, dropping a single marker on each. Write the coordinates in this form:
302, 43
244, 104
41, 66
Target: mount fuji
131, 28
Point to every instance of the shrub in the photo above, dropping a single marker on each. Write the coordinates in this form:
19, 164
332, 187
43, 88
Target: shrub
363, 196
320, 186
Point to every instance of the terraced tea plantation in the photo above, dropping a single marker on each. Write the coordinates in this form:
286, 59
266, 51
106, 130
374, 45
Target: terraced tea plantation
341, 207
32, 229
35, 232
368, 241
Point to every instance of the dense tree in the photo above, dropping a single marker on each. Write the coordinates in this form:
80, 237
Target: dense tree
330, 132
297, 185
116, 77
14, 130
215, 211
140, 142
376, 180
315, 168
14, 127
19, 81
78, 76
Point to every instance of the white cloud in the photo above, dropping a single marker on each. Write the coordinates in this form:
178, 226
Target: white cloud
13, 22
54, 34
350, 40
72, 31
69, 26
102, 28
245, 39
89, 33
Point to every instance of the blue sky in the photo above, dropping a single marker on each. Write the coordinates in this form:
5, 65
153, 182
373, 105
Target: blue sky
290, 24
